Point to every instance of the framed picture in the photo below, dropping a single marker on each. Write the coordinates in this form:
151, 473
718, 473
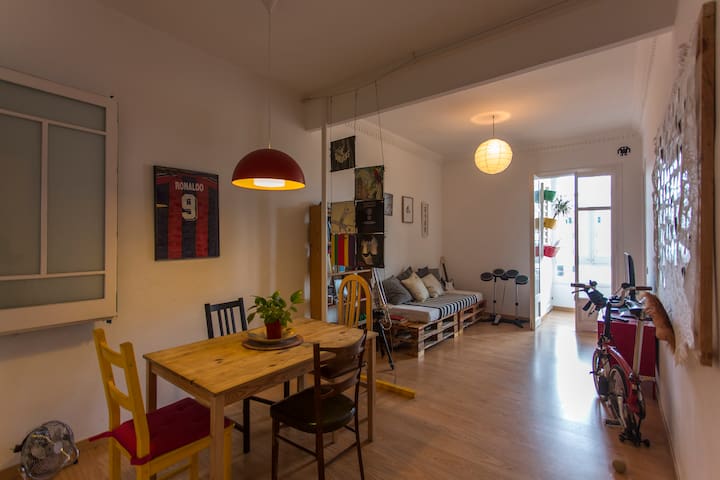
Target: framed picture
342, 154
369, 216
388, 207
187, 221
371, 249
342, 217
369, 183
407, 209
424, 229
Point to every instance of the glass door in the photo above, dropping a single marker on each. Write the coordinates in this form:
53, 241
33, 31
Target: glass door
593, 252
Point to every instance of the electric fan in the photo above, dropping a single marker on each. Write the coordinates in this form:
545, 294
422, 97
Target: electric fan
46, 450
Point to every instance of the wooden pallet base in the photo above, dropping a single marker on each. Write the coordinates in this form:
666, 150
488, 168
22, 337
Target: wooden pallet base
421, 336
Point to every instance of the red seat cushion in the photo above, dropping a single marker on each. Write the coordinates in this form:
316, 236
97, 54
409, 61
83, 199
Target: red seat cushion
171, 427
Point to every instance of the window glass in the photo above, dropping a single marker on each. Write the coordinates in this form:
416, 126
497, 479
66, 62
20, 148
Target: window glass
20, 161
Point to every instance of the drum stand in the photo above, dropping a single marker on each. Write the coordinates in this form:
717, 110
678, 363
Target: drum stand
497, 318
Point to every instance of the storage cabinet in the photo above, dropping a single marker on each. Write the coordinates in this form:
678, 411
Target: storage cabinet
624, 340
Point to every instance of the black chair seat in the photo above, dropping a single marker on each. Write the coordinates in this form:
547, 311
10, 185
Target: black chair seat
298, 411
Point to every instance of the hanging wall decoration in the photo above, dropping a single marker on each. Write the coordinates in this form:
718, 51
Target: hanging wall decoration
187, 222
683, 201
370, 250
388, 204
342, 154
424, 212
407, 209
369, 183
342, 217
369, 217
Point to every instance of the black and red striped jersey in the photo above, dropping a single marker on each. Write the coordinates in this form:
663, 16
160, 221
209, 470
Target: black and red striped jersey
186, 214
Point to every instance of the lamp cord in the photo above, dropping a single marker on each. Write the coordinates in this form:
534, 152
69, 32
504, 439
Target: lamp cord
377, 107
269, 53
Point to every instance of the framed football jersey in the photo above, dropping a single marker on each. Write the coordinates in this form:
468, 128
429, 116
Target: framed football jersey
187, 222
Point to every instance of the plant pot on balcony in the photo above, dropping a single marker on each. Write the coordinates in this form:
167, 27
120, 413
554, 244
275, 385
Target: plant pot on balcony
549, 195
549, 222
550, 250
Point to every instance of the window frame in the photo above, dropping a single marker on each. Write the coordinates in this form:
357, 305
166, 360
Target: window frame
21, 319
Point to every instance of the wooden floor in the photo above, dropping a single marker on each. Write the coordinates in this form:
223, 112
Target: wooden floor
497, 403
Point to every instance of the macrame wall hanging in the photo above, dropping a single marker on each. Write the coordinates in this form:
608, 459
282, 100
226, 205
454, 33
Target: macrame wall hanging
683, 196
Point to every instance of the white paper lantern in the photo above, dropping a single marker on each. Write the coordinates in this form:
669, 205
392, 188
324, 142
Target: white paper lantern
493, 156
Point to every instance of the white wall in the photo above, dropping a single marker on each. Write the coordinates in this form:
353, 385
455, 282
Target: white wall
488, 218
178, 107
688, 393
410, 171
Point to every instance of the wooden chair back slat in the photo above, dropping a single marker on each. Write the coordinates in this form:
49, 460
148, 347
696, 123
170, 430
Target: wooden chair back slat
131, 401
225, 316
353, 300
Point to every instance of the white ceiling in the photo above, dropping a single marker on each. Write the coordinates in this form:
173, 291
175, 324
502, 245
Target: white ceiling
318, 45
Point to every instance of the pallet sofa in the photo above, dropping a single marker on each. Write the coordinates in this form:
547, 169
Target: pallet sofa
422, 324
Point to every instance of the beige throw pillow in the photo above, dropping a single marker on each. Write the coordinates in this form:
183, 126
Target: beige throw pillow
416, 287
433, 285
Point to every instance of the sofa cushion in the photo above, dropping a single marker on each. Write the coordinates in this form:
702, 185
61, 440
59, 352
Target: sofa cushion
433, 285
422, 272
416, 287
405, 273
395, 292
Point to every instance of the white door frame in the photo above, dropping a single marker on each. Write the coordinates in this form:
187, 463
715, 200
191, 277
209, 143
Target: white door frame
615, 172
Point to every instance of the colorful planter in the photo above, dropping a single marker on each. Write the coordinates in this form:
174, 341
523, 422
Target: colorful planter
550, 251
549, 195
549, 222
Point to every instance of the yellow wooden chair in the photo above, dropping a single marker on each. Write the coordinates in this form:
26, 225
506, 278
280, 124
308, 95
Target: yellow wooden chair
157, 440
353, 292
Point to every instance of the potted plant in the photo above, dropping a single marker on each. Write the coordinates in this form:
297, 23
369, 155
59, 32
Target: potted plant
275, 312
561, 208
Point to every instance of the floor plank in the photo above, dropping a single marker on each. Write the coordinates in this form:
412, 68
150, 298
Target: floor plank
499, 402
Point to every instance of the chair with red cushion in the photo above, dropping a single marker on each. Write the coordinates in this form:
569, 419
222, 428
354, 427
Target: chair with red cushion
152, 441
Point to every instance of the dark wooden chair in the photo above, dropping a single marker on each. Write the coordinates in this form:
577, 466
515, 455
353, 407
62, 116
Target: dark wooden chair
323, 407
224, 319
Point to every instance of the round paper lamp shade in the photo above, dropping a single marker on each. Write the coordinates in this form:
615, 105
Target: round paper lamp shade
493, 156
268, 169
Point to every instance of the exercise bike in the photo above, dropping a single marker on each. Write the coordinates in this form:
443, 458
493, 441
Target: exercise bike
617, 384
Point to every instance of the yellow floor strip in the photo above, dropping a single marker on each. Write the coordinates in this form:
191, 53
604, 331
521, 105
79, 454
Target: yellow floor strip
391, 387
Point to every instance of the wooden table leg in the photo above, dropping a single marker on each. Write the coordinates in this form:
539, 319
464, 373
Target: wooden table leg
370, 350
300, 383
217, 423
151, 388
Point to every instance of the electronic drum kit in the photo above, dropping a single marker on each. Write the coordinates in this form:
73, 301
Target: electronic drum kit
505, 276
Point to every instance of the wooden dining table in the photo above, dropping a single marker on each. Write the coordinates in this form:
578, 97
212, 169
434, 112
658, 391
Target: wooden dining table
221, 371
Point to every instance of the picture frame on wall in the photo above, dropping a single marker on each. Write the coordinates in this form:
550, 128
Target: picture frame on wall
407, 209
342, 154
388, 204
187, 220
424, 213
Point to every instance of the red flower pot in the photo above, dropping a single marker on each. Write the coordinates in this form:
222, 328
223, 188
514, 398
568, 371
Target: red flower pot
273, 330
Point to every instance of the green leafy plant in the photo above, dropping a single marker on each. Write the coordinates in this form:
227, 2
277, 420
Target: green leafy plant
562, 207
275, 308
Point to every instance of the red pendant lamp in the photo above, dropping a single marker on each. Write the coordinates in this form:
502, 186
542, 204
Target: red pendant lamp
267, 168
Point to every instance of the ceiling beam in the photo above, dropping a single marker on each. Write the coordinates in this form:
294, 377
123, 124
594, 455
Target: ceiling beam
582, 27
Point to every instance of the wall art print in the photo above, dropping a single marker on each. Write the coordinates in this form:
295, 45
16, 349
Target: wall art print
342, 154
342, 217
369, 216
407, 210
187, 222
371, 250
388, 204
424, 213
369, 183
683, 199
